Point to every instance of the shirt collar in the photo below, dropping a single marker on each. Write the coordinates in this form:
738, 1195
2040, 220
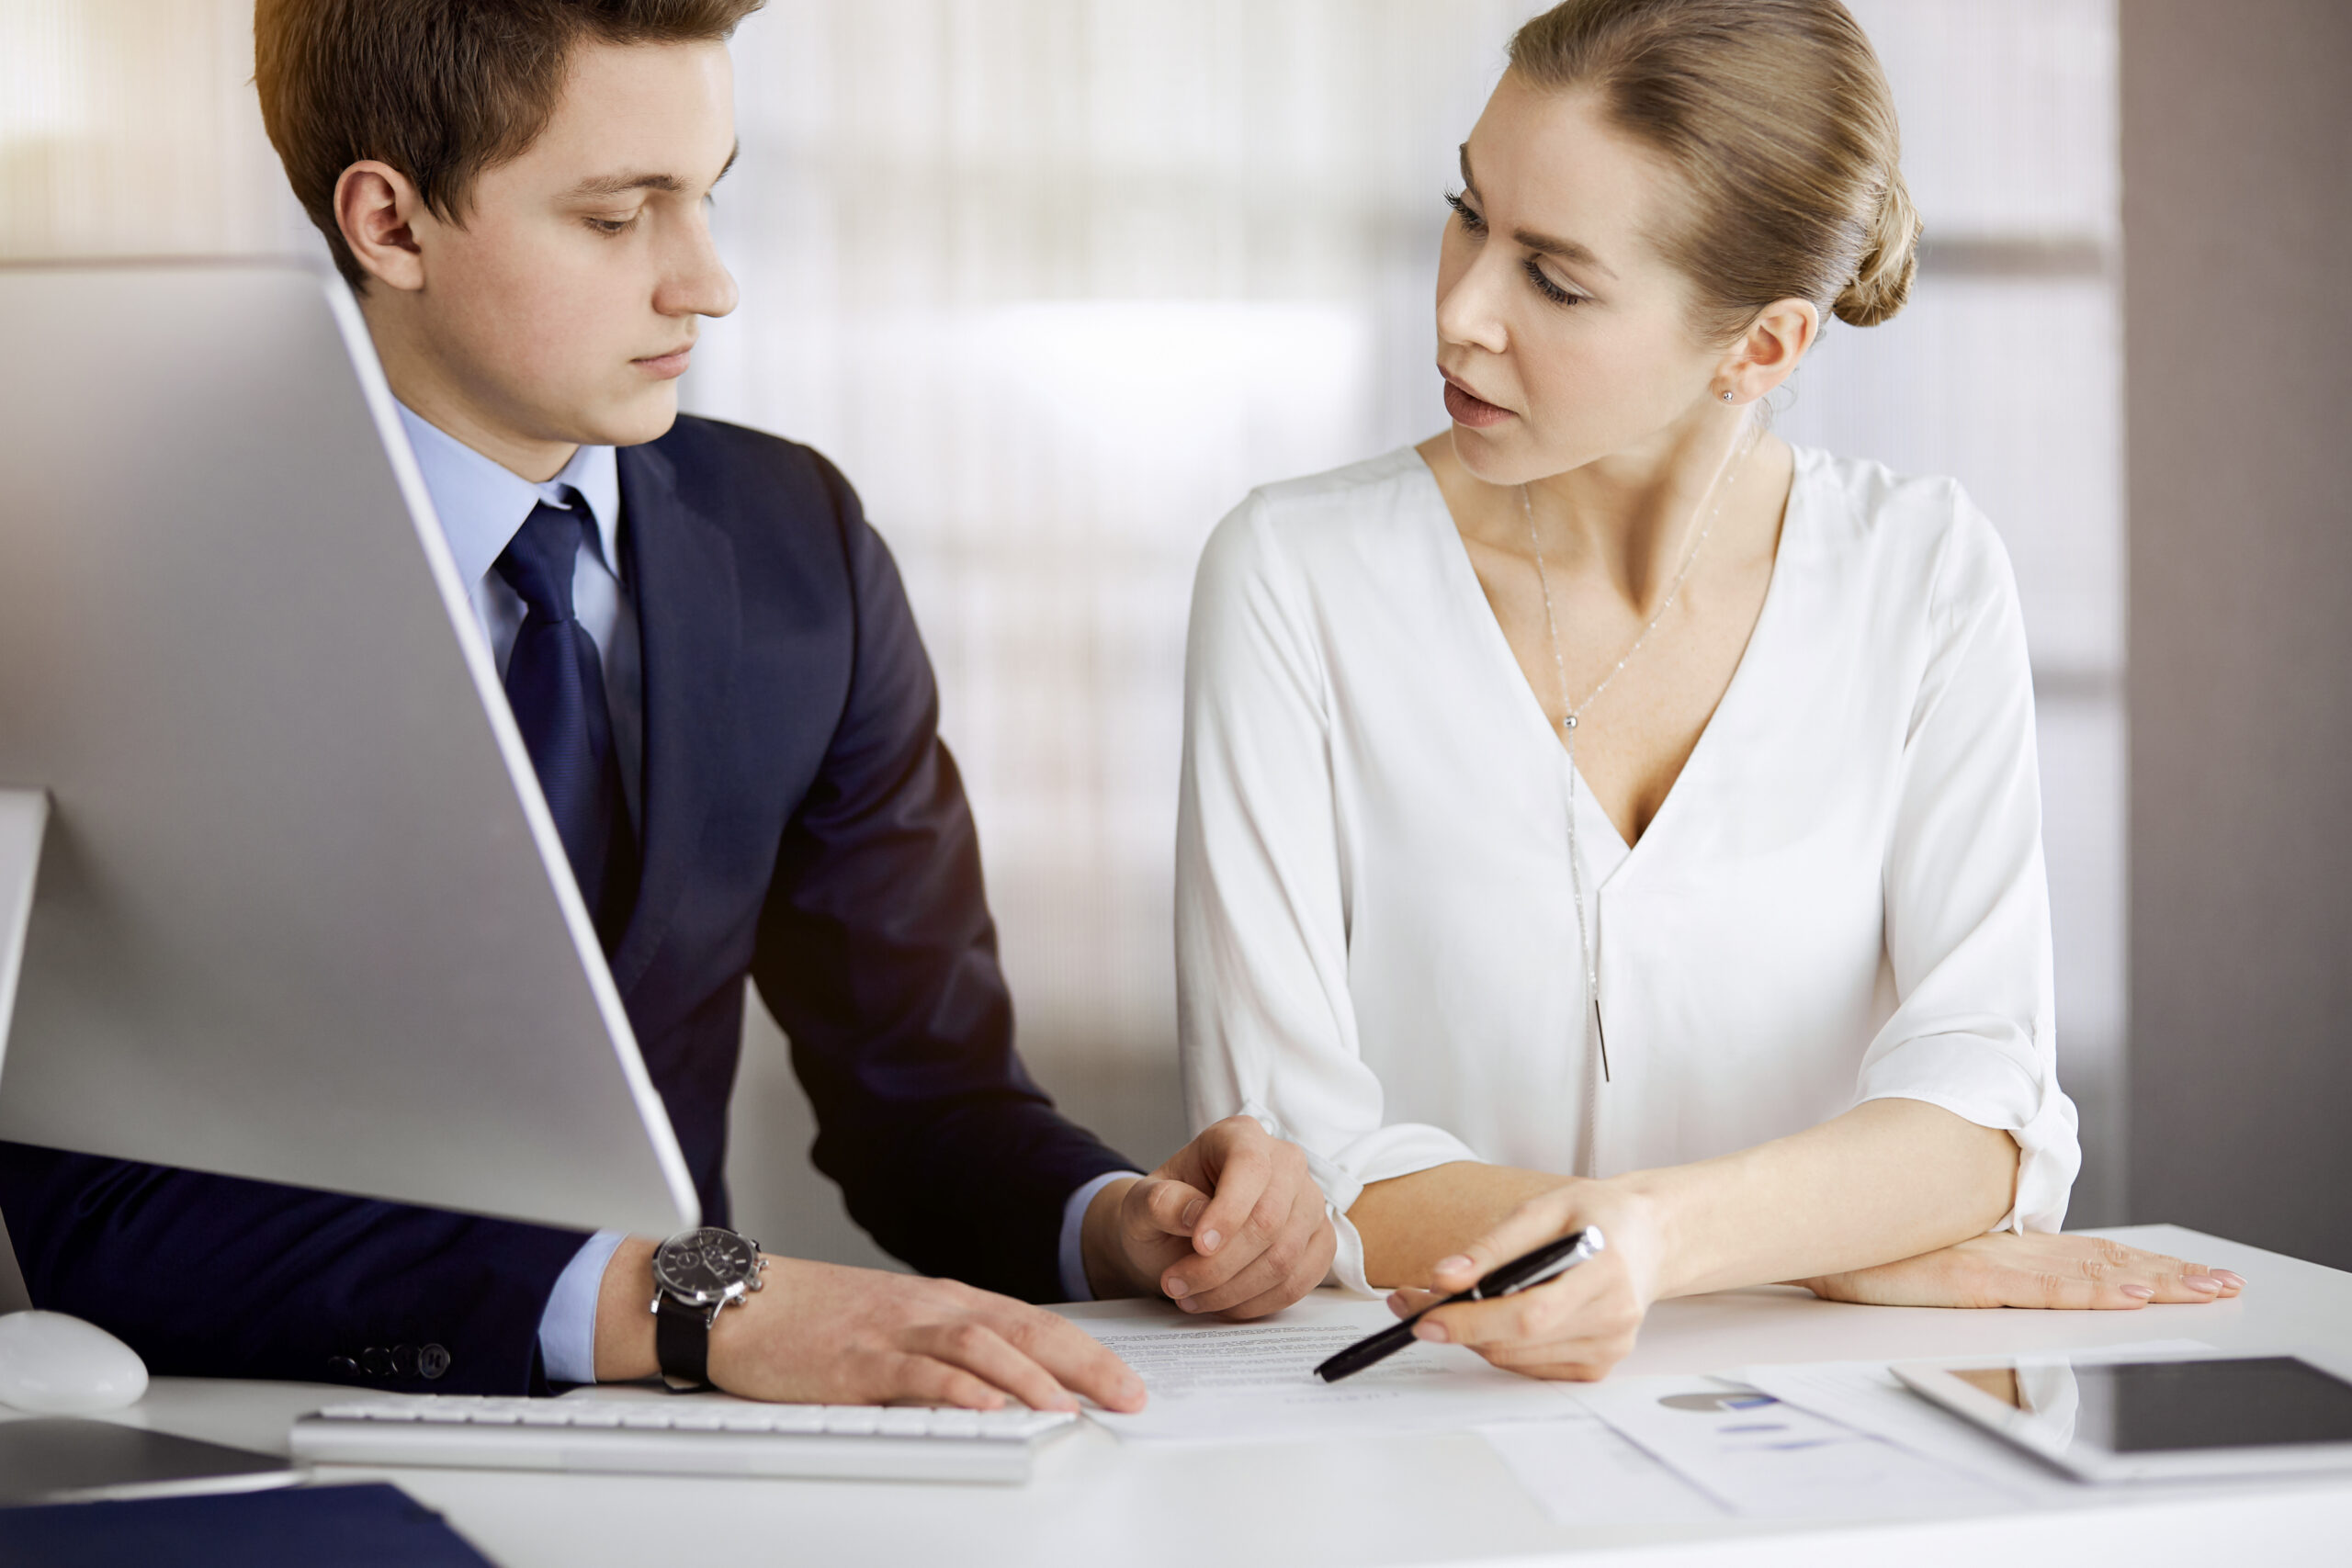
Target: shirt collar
483, 506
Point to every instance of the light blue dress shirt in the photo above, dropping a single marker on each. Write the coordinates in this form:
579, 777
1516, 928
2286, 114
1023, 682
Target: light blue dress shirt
482, 506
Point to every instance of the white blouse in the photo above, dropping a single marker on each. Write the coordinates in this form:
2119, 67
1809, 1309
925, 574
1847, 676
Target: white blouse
1842, 900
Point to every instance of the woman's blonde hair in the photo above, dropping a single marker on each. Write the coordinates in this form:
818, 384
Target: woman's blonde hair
1782, 123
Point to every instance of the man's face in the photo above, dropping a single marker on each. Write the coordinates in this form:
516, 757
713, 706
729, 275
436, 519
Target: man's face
564, 308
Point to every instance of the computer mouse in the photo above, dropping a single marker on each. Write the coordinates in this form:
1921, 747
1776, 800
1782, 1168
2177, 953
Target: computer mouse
56, 1365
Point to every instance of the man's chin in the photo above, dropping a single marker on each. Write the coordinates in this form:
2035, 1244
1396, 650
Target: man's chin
645, 417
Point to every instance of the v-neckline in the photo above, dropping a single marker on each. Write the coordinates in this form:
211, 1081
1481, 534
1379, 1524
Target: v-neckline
1474, 594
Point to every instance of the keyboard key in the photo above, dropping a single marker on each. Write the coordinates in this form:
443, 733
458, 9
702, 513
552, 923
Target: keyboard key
587, 1413
798, 1418
747, 1421
851, 1420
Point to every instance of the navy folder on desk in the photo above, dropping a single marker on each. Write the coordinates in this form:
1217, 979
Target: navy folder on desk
370, 1526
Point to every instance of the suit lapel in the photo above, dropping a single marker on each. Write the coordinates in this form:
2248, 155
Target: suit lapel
689, 618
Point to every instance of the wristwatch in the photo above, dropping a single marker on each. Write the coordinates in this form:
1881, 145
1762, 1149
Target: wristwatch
697, 1274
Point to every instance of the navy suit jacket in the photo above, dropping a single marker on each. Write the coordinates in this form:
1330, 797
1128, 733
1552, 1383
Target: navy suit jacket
803, 824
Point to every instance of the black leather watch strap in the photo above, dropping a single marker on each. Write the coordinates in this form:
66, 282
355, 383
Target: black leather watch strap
682, 1342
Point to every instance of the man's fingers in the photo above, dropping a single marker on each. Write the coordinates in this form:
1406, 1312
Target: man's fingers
1245, 1168
1172, 1206
1267, 1271
926, 1381
1257, 1268
1540, 1219
1303, 1279
972, 1345
1083, 1363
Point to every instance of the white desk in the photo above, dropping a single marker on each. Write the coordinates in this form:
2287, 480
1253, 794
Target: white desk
1422, 1499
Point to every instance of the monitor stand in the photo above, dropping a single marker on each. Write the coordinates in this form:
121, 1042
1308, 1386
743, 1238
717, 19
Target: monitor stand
24, 816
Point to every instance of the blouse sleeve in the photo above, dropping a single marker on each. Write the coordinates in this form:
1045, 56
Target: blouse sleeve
1967, 897
1264, 1017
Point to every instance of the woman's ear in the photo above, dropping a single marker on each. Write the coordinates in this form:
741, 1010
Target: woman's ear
378, 209
1769, 352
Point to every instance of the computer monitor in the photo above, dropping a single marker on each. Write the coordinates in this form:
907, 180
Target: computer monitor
301, 911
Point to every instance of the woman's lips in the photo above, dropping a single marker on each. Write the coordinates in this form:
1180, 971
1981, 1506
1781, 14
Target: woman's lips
1470, 410
667, 366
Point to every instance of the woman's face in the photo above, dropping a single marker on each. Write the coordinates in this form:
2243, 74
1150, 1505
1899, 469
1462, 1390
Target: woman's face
1563, 334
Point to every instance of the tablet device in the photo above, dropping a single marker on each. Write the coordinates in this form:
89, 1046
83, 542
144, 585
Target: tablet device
2142, 1420
62, 1459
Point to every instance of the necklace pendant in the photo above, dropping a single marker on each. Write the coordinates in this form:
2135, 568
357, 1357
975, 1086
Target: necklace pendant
1569, 722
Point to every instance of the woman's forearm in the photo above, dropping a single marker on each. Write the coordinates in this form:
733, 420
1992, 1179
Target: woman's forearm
1407, 1222
1890, 1179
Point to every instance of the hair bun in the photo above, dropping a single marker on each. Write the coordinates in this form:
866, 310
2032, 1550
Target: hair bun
1883, 282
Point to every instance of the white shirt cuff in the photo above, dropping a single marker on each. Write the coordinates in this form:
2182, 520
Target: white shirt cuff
1075, 1287
567, 1326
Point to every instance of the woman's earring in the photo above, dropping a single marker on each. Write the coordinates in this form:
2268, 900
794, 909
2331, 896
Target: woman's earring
1726, 396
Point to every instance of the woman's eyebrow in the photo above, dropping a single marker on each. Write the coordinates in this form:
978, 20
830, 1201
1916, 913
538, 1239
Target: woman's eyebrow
1568, 251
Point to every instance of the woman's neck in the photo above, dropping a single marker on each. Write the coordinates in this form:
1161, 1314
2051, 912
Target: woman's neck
1629, 519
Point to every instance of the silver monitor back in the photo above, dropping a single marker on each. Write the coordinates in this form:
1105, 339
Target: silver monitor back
301, 913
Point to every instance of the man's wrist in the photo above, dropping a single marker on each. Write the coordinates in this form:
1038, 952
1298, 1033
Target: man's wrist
1102, 1245
624, 1351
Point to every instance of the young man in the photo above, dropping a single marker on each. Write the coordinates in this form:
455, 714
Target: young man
715, 670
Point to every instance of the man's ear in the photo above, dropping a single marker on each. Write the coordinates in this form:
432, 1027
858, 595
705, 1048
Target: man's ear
378, 208
1769, 352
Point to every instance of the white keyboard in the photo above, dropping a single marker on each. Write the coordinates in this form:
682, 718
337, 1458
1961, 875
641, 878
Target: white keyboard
680, 1434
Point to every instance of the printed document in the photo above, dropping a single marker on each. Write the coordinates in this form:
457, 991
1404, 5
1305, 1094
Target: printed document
1250, 1381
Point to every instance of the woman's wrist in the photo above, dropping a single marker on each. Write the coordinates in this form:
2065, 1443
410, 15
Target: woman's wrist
1641, 1226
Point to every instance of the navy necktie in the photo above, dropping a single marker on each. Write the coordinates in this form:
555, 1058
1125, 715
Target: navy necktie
555, 684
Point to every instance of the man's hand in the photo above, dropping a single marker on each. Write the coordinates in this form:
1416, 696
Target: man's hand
1232, 1225
820, 1334
2035, 1269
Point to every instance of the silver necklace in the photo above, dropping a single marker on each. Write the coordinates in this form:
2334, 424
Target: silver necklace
1570, 714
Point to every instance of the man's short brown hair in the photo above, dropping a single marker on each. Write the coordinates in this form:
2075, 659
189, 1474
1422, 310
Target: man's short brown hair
440, 89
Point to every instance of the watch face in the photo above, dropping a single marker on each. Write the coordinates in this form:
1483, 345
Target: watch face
705, 1265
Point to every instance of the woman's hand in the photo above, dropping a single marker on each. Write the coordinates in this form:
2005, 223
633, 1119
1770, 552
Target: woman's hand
1578, 1326
2005, 1269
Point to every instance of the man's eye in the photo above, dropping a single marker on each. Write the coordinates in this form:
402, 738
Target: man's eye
612, 225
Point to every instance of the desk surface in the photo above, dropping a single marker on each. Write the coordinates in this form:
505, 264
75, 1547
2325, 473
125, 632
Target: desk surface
1387, 1499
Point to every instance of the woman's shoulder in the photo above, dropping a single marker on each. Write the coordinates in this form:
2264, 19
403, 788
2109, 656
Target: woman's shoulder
1321, 524
1922, 530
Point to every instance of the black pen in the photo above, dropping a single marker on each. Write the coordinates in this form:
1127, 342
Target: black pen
1549, 1261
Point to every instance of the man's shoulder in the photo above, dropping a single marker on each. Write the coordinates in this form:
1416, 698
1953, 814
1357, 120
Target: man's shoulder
709, 460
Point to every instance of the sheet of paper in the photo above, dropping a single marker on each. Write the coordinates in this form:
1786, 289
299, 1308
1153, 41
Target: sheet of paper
1249, 1381
1760, 1458
1866, 1396
1581, 1470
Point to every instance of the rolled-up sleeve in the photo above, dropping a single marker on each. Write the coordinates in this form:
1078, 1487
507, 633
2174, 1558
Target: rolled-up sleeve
1264, 1013
1967, 893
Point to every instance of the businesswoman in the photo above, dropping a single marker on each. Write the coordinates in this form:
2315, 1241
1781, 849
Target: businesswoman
1605, 813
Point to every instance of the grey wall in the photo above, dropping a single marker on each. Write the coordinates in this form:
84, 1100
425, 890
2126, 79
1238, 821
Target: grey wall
2237, 222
